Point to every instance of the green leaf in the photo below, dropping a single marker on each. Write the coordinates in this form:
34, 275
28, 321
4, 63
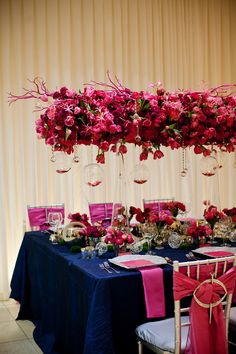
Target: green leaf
67, 133
75, 249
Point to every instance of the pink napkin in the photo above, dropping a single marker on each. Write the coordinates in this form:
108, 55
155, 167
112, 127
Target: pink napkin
137, 263
219, 253
153, 291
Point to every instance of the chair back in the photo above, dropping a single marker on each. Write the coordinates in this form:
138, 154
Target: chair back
156, 204
101, 213
38, 215
210, 283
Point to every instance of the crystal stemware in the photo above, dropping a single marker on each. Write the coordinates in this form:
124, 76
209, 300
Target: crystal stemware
55, 220
149, 232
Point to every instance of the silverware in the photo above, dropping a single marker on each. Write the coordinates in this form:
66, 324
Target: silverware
191, 256
104, 268
108, 266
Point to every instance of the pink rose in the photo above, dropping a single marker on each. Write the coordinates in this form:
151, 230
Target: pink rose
69, 121
77, 110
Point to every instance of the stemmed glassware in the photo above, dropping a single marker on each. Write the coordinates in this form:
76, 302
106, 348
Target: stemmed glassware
149, 232
55, 220
223, 229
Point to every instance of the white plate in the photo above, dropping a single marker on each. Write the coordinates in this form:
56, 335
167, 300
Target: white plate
205, 250
137, 261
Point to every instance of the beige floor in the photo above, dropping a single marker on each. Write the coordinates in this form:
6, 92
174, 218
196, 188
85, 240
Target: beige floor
15, 336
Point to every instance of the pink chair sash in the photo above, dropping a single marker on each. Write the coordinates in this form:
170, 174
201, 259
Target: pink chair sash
205, 336
154, 295
38, 216
101, 212
155, 206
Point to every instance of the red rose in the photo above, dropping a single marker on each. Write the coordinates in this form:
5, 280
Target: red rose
158, 154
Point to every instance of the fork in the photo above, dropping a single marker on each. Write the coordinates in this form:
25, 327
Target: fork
104, 268
107, 266
190, 256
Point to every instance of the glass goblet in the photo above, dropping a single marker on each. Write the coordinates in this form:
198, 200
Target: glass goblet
136, 247
159, 240
54, 220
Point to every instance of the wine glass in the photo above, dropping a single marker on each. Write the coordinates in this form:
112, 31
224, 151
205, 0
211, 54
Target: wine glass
54, 220
136, 247
149, 231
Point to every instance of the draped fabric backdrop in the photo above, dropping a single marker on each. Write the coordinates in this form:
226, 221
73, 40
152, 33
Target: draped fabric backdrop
182, 43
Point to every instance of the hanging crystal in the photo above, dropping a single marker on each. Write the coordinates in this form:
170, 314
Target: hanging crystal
76, 154
184, 163
53, 157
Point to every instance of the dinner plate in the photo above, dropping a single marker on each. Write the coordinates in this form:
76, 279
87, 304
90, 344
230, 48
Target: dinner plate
215, 251
137, 261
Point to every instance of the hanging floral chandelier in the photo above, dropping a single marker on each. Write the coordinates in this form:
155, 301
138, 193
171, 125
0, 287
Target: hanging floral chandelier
113, 116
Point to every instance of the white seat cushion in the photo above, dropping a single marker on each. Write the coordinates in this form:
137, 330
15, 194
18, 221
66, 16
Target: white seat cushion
233, 316
161, 334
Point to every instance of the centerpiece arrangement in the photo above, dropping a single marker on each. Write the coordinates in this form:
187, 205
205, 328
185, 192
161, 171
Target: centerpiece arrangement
112, 116
212, 215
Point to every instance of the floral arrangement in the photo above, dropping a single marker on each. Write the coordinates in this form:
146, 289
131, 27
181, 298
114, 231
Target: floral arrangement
174, 207
230, 212
212, 215
94, 232
199, 231
111, 117
117, 237
83, 218
148, 215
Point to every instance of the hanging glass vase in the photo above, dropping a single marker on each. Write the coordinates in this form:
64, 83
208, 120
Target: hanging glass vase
140, 174
62, 162
208, 166
93, 175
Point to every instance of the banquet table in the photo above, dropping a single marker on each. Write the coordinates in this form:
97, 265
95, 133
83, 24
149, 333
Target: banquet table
77, 307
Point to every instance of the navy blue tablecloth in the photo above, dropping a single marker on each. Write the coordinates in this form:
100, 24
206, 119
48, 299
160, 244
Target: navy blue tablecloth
77, 307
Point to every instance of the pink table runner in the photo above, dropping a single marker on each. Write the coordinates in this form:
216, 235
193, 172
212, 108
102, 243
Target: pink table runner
153, 285
219, 253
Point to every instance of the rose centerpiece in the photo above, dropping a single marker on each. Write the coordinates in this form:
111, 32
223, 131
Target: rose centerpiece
199, 233
212, 215
117, 239
152, 223
93, 234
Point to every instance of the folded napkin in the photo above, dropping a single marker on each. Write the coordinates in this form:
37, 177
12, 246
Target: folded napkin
153, 286
219, 253
137, 263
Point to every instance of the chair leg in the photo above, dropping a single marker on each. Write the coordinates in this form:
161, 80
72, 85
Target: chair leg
140, 347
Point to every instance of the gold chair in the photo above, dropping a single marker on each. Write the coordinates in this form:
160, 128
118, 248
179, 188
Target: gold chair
171, 335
